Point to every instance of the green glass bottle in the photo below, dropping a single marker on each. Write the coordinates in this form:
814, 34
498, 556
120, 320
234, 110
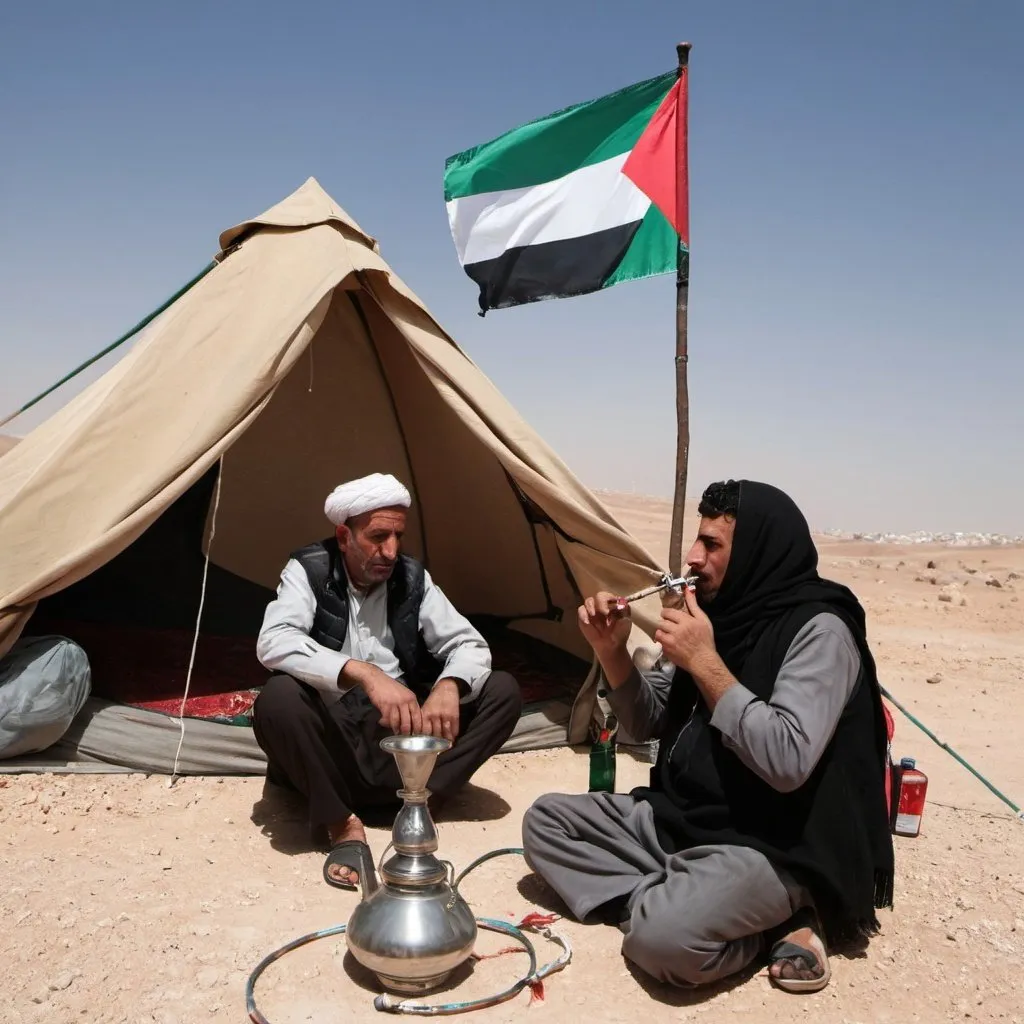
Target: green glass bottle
602, 763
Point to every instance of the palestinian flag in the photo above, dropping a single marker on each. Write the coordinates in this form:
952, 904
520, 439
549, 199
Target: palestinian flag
563, 205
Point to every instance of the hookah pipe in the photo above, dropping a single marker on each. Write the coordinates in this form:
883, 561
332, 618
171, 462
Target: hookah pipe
386, 1002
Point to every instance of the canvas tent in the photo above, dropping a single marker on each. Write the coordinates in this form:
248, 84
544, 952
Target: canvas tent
299, 361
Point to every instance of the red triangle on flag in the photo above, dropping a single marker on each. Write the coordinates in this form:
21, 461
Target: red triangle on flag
657, 164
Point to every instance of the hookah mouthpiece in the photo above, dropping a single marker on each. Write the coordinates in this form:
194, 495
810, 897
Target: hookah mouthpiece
673, 583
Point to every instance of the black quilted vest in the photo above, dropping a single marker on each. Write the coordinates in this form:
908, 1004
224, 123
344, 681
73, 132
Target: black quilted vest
325, 570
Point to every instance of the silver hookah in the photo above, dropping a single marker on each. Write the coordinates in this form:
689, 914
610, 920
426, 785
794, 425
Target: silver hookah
413, 930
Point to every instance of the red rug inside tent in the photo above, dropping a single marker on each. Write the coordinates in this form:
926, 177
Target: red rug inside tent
147, 668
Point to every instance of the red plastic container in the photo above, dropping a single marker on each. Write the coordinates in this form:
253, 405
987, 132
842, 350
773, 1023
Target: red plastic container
911, 789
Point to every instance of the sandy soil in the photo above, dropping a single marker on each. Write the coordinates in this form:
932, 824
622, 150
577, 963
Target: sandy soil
127, 901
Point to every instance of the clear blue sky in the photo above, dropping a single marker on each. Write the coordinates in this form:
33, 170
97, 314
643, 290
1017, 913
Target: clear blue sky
856, 195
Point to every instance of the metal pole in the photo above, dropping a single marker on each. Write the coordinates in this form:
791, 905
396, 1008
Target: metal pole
675, 552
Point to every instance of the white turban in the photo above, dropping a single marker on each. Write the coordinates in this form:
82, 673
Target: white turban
378, 490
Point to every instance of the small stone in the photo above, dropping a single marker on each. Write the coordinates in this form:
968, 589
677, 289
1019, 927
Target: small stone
166, 864
105, 923
931, 565
61, 982
949, 593
991, 581
123, 917
937, 678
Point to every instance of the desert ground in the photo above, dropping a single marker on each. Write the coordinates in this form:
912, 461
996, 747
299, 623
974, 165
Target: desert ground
126, 900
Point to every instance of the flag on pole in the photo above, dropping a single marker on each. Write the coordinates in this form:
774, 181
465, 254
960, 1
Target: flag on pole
574, 202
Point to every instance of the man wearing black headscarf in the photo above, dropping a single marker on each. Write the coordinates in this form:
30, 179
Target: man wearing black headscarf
764, 828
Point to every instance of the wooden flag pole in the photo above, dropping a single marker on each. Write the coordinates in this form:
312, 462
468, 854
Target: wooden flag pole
675, 550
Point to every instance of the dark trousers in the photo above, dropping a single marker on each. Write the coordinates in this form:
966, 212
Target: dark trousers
332, 756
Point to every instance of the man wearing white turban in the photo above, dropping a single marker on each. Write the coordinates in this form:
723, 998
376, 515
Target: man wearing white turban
362, 641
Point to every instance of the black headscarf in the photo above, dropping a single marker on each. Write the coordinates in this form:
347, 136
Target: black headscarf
773, 569
832, 832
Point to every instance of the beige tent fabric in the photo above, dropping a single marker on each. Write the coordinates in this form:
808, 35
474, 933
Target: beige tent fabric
305, 207
303, 360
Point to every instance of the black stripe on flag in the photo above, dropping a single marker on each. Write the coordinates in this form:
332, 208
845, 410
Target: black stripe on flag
551, 270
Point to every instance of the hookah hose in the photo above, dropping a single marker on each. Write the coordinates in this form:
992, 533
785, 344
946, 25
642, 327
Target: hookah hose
385, 1001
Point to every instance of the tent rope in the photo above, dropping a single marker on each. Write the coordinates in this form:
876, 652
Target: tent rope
1018, 813
199, 619
110, 348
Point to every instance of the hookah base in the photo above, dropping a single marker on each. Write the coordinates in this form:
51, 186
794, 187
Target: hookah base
413, 986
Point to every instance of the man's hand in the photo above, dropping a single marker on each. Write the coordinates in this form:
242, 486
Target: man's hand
397, 704
686, 635
607, 629
441, 710
602, 625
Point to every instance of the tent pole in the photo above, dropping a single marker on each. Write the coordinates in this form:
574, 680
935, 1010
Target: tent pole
675, 552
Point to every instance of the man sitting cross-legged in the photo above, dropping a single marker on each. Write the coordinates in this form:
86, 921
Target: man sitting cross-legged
364, 644
764, 828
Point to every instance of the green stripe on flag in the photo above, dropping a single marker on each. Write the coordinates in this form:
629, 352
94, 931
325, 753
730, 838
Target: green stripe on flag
553, 146
652, 251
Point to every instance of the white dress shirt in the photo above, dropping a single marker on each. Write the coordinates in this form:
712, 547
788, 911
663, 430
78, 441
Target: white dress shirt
284, 643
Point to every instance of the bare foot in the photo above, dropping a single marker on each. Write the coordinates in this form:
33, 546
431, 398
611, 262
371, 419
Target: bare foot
351, 828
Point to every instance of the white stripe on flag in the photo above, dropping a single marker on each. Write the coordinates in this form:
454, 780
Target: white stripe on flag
582, 202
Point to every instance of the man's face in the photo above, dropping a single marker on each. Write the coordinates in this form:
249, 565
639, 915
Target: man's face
709, 556
371, 543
